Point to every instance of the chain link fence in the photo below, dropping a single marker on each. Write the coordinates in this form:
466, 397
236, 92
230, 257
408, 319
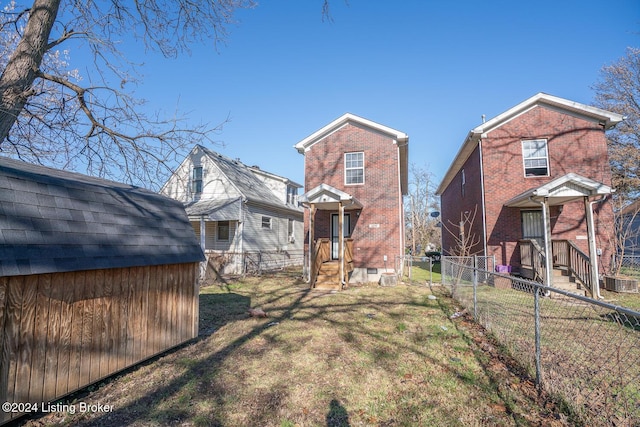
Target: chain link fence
582, 351
629, 265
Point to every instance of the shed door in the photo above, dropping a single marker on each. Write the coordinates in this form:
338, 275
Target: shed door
335, 233
532, 226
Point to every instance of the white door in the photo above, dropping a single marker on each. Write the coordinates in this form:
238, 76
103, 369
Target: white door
335, 237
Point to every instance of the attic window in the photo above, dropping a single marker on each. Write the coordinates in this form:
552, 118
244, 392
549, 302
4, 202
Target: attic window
354, 168
196, 181
535, 157
266, 222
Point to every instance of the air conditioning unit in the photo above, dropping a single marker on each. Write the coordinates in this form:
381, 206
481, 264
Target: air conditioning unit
292, 239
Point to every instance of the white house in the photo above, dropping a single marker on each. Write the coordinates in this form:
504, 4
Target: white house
246, 219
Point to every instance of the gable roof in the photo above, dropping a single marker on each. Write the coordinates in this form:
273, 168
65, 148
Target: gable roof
327, 197
606, 118
341, 121
58, 221
401, 139
559, 191
243, 178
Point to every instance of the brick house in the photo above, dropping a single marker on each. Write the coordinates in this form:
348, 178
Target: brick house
534, 180
355, 179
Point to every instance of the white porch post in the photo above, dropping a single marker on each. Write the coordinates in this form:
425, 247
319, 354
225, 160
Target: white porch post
341, 240
548, 250
593, 252
203, 230
311, 246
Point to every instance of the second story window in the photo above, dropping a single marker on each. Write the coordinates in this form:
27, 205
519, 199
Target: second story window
536, 159
196, 180
292, 195
354, 168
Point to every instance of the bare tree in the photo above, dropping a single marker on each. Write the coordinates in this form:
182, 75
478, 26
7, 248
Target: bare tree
466, 241
618, 90
51, 114
422, 228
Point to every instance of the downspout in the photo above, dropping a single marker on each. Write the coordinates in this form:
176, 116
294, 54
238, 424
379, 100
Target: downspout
548, 255
240, 234
484, 211
595, 278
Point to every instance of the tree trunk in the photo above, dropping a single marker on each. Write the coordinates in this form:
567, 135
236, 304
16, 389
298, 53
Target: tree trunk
23, 66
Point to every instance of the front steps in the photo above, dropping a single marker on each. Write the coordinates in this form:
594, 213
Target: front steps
329, 277
562, 279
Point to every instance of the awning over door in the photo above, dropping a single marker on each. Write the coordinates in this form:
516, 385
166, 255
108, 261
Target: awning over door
565, 189
326, 197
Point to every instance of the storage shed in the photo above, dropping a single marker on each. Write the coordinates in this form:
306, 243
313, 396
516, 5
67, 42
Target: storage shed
95, 276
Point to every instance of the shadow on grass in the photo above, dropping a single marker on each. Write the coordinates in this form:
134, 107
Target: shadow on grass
216, 311
337, 415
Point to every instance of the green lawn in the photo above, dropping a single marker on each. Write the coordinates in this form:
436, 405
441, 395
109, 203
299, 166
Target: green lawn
365, 356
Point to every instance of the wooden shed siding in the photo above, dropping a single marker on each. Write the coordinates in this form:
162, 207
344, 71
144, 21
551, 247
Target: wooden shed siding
61, 332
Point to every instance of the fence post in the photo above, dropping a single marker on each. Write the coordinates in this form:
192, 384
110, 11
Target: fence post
475, 287
536, 309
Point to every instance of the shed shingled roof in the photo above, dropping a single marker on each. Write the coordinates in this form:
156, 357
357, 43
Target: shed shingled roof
58, 221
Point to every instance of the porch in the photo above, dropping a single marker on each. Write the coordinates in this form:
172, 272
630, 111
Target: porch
558, 192
330, 258
326, 272
571, 268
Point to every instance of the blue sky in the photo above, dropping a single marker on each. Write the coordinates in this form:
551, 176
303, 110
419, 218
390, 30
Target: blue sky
430, 69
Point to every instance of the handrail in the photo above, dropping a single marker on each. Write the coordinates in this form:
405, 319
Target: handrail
567, 254
322, 254
348, 259
532, 256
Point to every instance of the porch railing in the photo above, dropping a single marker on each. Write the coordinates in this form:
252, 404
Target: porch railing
322, 254
348, 258
532, 258
567, 254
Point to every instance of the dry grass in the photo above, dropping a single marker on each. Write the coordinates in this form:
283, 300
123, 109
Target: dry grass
367, 356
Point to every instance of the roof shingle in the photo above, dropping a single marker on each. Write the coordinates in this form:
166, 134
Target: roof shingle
58, 221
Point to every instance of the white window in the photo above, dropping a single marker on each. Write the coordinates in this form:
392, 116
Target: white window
196, 180
266, 222
292, 195
354, 168
536, 160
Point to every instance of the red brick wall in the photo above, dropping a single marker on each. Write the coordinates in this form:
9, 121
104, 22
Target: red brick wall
463, 203
574, 145
380, 193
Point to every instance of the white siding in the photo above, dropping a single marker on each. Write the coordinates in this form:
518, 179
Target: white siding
214, 184
257, 238
211, 239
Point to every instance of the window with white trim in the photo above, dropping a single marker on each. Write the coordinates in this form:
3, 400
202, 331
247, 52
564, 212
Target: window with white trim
354, 168
196, 180
535, 157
